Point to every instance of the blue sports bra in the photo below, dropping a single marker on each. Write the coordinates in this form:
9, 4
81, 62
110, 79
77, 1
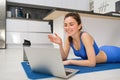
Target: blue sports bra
82, 52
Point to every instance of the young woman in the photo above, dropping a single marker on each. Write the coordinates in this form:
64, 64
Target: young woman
83, 45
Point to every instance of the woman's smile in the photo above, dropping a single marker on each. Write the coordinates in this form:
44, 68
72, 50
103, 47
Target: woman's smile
70, 26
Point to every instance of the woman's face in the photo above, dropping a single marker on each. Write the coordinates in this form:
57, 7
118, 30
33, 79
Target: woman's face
71, 26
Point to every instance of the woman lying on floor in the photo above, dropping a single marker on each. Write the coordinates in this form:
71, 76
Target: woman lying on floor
83, 45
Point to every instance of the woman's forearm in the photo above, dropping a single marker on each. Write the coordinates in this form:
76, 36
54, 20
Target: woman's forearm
82, 63
64, 56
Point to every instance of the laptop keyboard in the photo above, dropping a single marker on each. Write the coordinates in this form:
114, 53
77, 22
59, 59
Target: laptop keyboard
70, 71
67, 73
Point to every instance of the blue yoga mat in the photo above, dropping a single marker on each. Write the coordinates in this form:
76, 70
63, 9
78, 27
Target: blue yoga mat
99, 67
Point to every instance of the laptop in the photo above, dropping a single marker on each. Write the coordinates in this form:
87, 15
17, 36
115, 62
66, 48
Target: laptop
48, 61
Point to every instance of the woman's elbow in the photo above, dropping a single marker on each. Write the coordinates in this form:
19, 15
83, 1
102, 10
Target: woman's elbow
64, 58
92, 64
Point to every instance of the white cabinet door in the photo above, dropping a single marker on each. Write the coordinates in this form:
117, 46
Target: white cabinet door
70, 4
39, 38
27, 26
16, 25
35, 38
75, 4
37, 26
15, 37
35, 31
104, 6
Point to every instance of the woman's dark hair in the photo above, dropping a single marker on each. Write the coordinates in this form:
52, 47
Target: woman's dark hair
76, 16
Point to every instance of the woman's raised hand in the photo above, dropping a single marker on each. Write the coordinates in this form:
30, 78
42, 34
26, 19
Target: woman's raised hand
55, 39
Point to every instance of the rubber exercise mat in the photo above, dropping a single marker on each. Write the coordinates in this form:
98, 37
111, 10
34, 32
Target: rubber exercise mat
99, 67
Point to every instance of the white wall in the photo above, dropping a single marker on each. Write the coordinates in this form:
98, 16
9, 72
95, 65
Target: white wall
105, 31
58, 28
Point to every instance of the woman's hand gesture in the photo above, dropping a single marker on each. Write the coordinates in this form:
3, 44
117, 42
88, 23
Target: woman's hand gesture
55, 39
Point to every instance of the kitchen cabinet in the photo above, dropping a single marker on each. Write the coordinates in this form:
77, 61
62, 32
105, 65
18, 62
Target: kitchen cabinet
19, 26
68, 4
36, 31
